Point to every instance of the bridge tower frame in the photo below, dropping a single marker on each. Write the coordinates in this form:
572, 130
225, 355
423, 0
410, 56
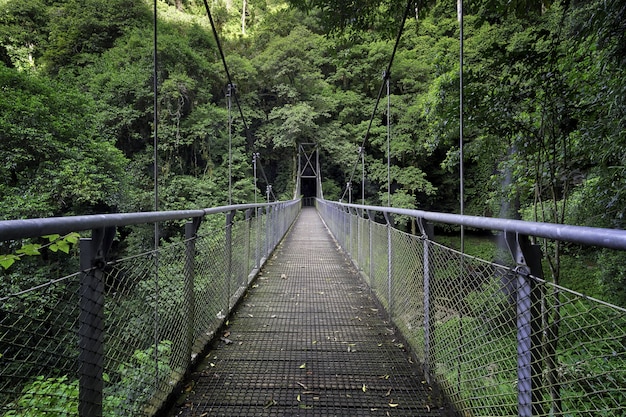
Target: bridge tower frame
309, 175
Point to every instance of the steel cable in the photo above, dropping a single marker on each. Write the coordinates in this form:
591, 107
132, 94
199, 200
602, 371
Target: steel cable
386, 76
230, 82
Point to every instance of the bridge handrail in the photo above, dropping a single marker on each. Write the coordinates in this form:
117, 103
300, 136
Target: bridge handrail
497, 337
25, 228
603, 237
95, 321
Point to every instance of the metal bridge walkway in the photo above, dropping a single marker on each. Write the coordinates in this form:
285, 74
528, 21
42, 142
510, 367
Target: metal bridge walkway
308, 340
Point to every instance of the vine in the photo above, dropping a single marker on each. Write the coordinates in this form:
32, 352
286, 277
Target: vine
55, 244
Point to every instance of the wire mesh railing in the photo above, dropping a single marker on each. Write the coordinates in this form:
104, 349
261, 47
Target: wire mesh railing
117, 337
499, 339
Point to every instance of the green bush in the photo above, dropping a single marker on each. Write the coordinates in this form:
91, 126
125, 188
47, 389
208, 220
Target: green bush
47, 397
129, 394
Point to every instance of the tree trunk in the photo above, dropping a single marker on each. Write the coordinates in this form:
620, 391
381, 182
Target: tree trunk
243, 16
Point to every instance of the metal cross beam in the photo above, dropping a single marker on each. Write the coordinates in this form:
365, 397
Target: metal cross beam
308, 169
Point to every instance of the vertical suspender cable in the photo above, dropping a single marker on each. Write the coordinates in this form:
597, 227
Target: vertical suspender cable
229, 91
156, 198
362, 152
461, 173
461, 183
386, 74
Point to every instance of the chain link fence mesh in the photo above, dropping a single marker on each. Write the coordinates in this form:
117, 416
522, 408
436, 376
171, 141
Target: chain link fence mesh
158, 311
460, 315
38, 348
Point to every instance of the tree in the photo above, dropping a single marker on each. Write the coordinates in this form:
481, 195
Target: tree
56, 162
81, 30
22, 32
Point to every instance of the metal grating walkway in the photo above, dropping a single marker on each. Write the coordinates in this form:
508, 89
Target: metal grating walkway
308, 340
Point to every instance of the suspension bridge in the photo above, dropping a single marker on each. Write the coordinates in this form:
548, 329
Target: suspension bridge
303, 308
288, 309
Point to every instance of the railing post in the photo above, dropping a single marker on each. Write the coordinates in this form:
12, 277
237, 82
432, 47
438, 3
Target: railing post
341, 226
191, 228
91, 322
389, 221
427, 233
529, 357
370, 221
359, 249
348, 215
229, 255
268, 229
247, 269
258, 211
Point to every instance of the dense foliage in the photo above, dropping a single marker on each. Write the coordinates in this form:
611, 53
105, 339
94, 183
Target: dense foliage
544, 105
544, 100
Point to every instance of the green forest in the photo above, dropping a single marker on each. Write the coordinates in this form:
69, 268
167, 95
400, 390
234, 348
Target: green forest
544, 107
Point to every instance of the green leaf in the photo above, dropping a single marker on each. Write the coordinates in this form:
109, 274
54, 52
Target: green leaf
63, 246
52, 238
31, 249
7, 260
72, 238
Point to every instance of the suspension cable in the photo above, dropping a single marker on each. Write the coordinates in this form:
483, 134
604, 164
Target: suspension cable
221, 51
251, 144
382, 88
266, 181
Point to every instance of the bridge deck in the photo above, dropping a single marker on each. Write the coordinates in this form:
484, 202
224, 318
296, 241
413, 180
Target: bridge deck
308, 340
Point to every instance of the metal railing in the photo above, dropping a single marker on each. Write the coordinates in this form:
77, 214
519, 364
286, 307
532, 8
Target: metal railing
499, 339
116, 337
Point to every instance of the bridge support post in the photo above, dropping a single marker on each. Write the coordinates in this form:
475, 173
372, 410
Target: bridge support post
268, 229
359, 240
258, 213
370, 217
349, 217
91, 322
191, 228
390, 288
427, 234
248, 246
529, 326
229, 256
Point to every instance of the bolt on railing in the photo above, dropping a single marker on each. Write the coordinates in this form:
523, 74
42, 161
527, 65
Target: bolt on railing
117, 337
499, 339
